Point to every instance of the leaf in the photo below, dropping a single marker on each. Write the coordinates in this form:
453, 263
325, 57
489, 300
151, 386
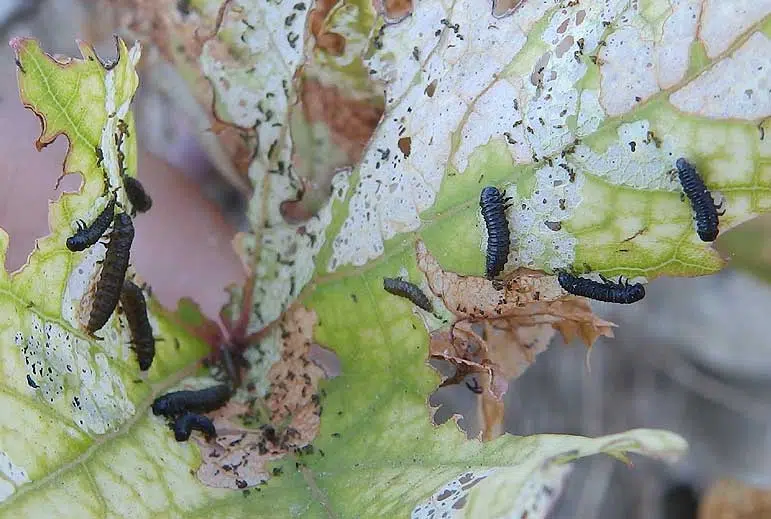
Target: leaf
584, 146
516, 124
560, 118
458, 81
65, 393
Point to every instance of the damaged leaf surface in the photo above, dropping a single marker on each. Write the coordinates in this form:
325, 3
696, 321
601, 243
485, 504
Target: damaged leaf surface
548, 103
69, 400
578, 111
579, 115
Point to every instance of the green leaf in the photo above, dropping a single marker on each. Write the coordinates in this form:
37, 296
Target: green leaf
578, 111
458, 81
580, 115
65, 393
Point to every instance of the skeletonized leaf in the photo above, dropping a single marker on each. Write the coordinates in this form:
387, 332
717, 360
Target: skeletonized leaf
577, 110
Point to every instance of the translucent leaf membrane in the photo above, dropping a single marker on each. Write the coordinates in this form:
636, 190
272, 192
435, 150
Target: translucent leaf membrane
577, 111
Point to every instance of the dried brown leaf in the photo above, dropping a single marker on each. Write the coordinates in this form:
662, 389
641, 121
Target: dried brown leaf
477, 298
238, 457
500, 354
491, 414
577, 320
525, 298
500, 327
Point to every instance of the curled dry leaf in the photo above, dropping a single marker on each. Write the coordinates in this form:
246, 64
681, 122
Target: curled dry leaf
525, 298
331, 128
491, 414
510, 350
238, 457
500, 328
524, 293
501, 354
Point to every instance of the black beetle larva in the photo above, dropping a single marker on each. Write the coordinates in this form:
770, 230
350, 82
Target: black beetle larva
86, 236
110, 283
201, 401
701, 200
135, 191
185, 424
400, 287
493, 206
609, 291
132, 300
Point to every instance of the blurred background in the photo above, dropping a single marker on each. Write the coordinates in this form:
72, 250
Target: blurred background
693, 357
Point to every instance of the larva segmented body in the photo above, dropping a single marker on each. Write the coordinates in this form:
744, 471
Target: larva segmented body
86, 236
114, 266
400, 287
200, 401
707, 222
493, 206
132, 300
609, 291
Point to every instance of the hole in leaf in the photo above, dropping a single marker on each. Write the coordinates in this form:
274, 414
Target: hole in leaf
28, 195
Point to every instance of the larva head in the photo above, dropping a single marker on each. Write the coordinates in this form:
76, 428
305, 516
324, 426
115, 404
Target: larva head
145, 361
182, 427
180, 434
682, 164
489, 193
76, 243
161, 406
637, 291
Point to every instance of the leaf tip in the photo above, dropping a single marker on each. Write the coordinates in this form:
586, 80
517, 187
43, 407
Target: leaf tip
17, 42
